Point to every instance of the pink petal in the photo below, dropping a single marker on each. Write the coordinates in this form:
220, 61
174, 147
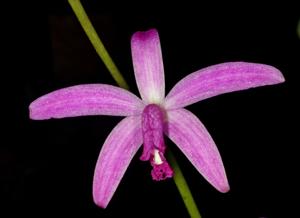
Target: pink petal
192, 138
81, 100
115, 156
219, 79
148, 65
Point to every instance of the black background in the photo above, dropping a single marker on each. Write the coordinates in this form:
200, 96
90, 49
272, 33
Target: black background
46, 167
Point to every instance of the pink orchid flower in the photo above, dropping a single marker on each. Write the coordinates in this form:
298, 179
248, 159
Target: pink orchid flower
147, 120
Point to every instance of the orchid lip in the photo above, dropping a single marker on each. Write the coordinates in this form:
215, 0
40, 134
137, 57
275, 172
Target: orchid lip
153, 117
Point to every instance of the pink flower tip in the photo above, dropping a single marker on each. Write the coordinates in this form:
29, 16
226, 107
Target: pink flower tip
100, 203
224, 189
279, 78
147, 35
34, 113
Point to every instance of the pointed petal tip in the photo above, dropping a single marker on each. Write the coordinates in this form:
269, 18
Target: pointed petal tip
277, 75
222, 184
100, 199
31, 114
144, 35
281, 78
34, 115
100, 202
224, 189
254, 67
36, 112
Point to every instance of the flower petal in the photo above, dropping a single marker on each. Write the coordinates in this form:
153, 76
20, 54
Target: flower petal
115, 156
148, 65
80, 100
192, 138
219, 79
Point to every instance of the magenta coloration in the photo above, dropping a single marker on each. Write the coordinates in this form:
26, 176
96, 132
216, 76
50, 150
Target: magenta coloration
161, 171
154, 145
153, 132
147, 119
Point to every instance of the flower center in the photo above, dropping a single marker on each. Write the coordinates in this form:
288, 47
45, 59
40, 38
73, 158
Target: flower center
154, 145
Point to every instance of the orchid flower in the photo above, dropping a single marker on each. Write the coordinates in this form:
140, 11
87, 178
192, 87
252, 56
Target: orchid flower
149, 118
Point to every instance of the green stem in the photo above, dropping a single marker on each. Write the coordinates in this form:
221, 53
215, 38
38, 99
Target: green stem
86, 24
183, 187
96, 42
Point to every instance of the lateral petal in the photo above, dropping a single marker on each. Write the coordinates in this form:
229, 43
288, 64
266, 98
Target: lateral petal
219, 79
115, 156
192, 138
81, 100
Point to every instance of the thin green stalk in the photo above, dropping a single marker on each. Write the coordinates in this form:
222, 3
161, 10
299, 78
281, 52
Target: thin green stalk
179, 179
183, 187
96, 42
